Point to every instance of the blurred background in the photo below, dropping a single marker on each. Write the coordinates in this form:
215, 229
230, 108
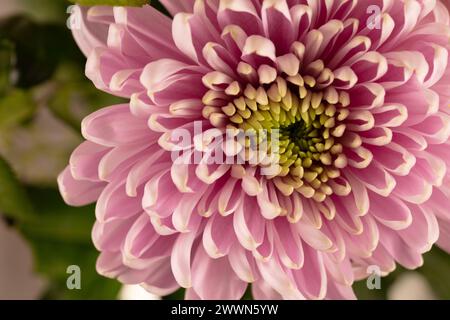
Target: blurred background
43, 97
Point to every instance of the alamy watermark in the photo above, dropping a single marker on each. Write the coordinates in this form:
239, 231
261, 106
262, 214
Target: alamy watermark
374, 20
73, 281
373, 281
75, 19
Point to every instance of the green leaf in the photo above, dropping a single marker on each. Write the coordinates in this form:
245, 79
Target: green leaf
15, 108
14, 201
129, 3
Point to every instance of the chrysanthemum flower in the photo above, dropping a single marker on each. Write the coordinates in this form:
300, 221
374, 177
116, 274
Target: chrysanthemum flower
359, 92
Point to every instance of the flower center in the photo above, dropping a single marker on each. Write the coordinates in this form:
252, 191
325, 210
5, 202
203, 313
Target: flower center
308, 115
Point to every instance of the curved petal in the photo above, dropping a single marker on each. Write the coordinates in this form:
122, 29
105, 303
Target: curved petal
78, 192
90, 26
214, 279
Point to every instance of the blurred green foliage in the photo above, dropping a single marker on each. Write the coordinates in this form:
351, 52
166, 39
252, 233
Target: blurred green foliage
60, 237
6, 63
38, 54
16, 107
72, 90
14, 202
435, 271
41, 67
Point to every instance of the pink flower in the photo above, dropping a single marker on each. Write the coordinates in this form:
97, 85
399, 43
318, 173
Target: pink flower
446, 3
361, 100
